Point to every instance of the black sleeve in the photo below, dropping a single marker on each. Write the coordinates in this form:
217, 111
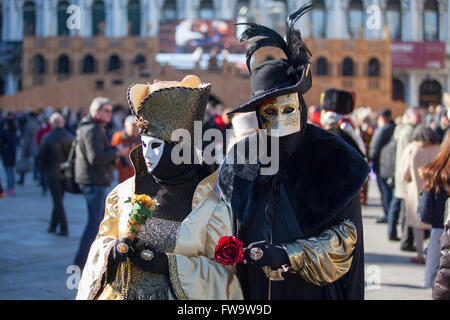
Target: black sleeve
353, 282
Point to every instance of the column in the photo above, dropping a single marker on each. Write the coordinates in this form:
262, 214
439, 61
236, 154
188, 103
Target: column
406, 20
412, 92
190, 8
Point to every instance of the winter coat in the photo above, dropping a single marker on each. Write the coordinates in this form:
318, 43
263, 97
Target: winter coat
402, 136
441, 290
387, 160
379, 141
54, 150
431, 208
29, 144
94, 157
415, 155
8, 145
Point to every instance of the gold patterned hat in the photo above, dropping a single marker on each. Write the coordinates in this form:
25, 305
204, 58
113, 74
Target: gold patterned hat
165, 106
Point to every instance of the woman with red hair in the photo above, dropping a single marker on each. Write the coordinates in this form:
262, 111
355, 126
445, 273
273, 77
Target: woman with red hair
431, 210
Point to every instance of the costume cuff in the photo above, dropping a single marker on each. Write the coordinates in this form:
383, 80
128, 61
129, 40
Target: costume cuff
174, 279
326, 258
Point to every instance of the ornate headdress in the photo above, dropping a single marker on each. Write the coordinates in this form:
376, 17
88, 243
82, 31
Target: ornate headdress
164, 106
277, 66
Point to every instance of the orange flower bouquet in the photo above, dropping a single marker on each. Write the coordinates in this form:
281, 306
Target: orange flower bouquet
143, 209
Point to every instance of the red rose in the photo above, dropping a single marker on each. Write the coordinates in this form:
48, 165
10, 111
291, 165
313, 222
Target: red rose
229, 251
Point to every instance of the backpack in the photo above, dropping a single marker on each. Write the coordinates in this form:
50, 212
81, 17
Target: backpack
387, 160
68, 170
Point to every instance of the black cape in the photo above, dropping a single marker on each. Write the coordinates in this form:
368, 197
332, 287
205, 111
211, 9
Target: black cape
318, 187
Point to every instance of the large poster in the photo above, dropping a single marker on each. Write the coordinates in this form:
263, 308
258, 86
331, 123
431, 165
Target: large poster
184, 36
418, 55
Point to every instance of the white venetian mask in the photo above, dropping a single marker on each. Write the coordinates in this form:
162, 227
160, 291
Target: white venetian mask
152, 150
281, 116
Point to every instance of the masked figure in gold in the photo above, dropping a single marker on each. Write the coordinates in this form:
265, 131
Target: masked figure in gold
172, 255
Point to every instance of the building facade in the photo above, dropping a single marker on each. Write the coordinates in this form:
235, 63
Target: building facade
117, 39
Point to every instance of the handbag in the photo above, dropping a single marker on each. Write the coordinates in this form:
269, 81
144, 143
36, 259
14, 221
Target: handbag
68, 170
110, 292
24, 165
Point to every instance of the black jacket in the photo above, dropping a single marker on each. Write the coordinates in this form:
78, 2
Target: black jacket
347, 138
441, 290
431, 207
53, 151
94, 156
379, 141
317, 188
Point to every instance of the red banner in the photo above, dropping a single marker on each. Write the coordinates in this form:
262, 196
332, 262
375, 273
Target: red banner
418, 55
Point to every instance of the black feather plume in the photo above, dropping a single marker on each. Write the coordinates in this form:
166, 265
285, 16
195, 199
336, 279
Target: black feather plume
264, 42
295, 49
298, 50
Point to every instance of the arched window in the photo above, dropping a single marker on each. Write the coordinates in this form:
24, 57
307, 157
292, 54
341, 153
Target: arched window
98, 17
398, 90
373, 68
318, 19
38, 65
431, 21
206, 10
355, 18
63, 16
88, 64
394, 19
169, 11
348, 67
114, 63
29, 18
430, 93
322, 67
63, 64
140, 60
134, 17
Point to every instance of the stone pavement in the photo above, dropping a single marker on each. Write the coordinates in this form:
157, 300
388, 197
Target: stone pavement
34, 264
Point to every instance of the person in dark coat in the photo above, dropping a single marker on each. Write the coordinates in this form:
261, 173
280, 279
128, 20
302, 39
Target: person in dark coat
29, 144
382, 136
53, 151
94, 165
8, 139
431, 209
300, 221
336, 106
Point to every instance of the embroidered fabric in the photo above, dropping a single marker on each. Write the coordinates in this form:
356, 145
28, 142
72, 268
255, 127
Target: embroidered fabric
162, 235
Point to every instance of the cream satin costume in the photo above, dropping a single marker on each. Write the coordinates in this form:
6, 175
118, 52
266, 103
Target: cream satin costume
193, 272
186, 231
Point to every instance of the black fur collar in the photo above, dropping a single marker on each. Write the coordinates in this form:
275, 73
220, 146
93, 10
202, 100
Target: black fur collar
323, 174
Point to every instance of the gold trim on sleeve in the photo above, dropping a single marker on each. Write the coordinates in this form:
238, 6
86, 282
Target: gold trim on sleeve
173, 275
326, 258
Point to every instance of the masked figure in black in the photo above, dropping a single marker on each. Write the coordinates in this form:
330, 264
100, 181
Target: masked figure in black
301, 226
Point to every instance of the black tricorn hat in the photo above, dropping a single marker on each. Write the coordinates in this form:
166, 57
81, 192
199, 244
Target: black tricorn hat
337, 100
277, 77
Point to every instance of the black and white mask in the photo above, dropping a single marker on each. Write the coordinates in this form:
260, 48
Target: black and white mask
152, 150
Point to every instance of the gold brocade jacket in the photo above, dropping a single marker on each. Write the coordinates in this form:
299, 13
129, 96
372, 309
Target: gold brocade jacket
194, 274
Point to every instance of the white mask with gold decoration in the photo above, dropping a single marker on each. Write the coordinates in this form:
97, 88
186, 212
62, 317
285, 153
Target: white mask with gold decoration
281, 116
